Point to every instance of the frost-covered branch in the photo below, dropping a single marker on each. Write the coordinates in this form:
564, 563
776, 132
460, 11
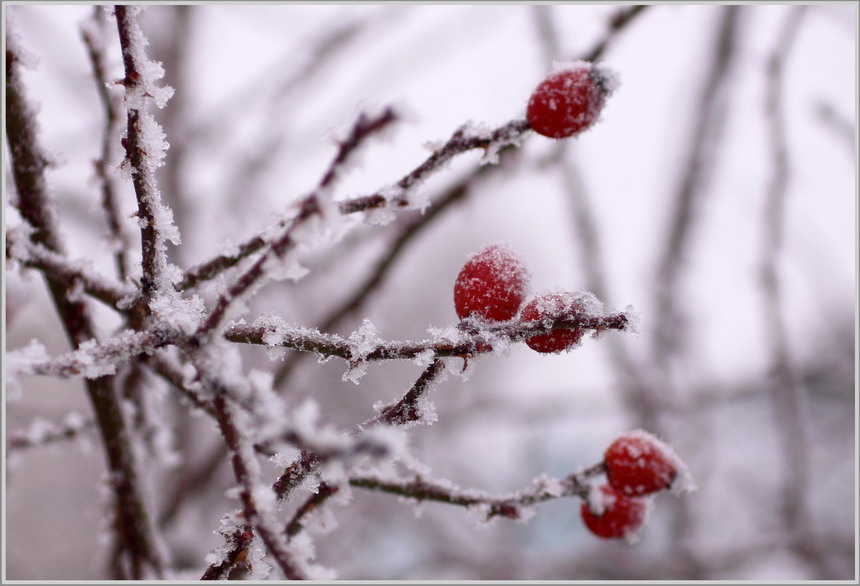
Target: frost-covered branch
509, 506
94, 34
57, 267
92, 359
145, 149
257, 498
409, 408
464, 139
476, 341
314, 502
42, 432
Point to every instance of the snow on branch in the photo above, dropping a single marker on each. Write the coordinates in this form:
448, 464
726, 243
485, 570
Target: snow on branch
145, 149
42, 432
92, 359
512, 506
57, 267
470, 341
466, 138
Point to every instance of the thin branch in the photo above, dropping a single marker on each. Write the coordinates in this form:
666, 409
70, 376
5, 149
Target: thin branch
92, 359
408, 410
463, 140
477, 342
668, 331
508, 506
141, 130
786, 393
65, 272
246, 470
42, 433
314, 502
617, 23
95, 35
838, 124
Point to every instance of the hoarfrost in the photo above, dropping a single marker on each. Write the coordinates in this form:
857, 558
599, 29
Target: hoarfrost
23, 361
174, 310
362, 342
548, 485
425, 358
258, 569
597, 500
634, 320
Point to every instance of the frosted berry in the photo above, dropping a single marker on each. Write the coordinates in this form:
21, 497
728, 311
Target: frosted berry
570, 99
621, 516
637, 463
552, 306
491, 285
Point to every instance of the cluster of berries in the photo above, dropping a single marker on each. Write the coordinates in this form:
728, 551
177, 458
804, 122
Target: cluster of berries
638, 465
492, 286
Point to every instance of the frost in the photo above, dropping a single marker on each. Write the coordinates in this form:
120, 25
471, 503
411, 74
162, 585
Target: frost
598, 500
525, 514
174, 310
426, 411
258, 569
285, 267
445, 335
548, 485
425, 358
23, 361
634, 320
362, 342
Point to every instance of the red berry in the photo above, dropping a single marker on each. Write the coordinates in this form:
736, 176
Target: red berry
550, 307
637, 463
570, 99
621, 516
492, 285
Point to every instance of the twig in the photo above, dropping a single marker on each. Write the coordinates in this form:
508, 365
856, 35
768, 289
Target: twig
42, 433
141, 131
133, 528
95, 52
508, 506
314, 502
463, 140
93, 359
619, 21
246, 470
668, 333
408, 409
65, 272
786, 394
478, 342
